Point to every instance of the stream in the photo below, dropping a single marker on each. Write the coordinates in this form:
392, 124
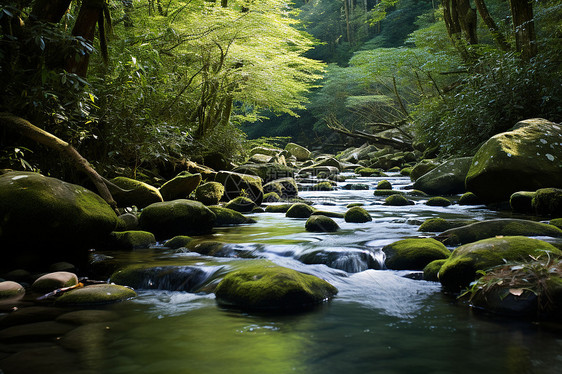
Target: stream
381, 321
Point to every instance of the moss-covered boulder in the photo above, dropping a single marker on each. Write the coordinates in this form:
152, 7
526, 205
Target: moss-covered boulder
522, 201
355, 186
323, 186
384, 185
162, 277
285, 187
469, 198
357, 215
267, 172
407, 171
10, 289
45, 220
438, 201
52, 281
351, 260
441, 224
229, 217
557, 222
95, 295
548, 201
178, 217
126, 222
496, 227
397, 200
180, 186
180, 241
271, 197
461, 268
446, 179
368, 172
270, 288
388, 192
525, 159
431, 270
129, 240
320, 223
209, 193
134, 192
241, 204
299, 210
414, 254
423, 167
300, 152
237, 184
329, 161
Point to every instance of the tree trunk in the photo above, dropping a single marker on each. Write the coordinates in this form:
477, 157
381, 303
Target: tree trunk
491, 24
467, 21
524, 26
67, 151
347, 22
451, 18
91, 12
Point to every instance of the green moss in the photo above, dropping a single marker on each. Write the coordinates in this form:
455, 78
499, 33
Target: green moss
522, 201
556, 222
178, 242
496, 227
180, 186
321, 223
323, 186
127, 240
299, 210
357, 215
268, 287
278, 208
96, 294
356, 186
469, 198
209, 193
441, 224
271, 197
228, 217
548, 202
438, 201
431, 270
387, 192
397, 200
351, 205
384, 185
461, 268
406, 171
422, 168
137, 193
241, 204
368, 172
417, 193
414, 254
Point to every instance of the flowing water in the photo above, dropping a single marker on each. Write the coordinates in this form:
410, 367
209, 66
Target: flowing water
380, 321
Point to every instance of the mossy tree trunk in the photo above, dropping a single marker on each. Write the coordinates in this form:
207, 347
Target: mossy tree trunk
524, 27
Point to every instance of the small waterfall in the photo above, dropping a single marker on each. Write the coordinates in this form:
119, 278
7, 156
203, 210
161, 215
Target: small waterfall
170, 278
351, 260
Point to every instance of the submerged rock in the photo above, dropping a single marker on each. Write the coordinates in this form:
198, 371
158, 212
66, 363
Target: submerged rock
461, 268
494, 227
167, 277
414, 254
438, 201
320, 223
96, 294
351, 260
525, 159
270, 288
178, 217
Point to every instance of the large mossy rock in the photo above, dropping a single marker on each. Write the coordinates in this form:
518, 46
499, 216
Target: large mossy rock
548, 202
178, 217
299, 210
446, 179
229, 217
441, 224
496, 227
300, 152
237, 184
209, 193
241, 204
284, 187
397, 199
525, 159
431, 270
131, 239
357, 214
522, 201
414, 254
135, 193
180, 186
45, 219
96, 294
270, 288
461, 268
423, 167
